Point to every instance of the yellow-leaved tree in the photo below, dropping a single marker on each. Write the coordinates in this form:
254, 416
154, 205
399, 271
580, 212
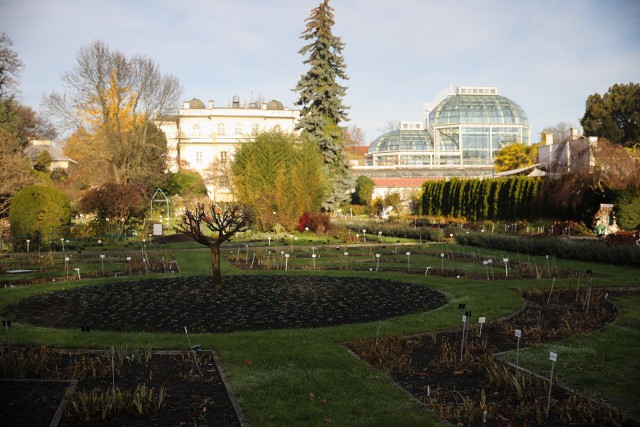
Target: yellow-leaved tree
110, 101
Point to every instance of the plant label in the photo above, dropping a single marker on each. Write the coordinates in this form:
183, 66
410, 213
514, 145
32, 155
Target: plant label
482, 320
553, 356
286, 255
313, 255
102, 256
66, 258
442, 255
346, 254
461, 306
377, 255
128, 258
464, 318
518, 333
6, 323
408, 253
85, 328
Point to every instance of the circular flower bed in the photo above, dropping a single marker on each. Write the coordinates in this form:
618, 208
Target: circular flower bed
243, 303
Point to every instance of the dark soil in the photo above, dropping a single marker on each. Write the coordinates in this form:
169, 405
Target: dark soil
191, 397
243, 303
450, 380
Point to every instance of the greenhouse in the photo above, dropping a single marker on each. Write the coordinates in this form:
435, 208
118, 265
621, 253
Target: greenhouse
462, 127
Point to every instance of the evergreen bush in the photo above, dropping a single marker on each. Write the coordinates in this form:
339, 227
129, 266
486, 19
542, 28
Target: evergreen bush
35, 212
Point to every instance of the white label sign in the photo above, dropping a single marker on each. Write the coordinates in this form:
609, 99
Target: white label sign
286, 255
464, 318
518, 333
553, 356
346, 254
157, 229
128, 258
408, 253
377, 255
313, 255
482, 320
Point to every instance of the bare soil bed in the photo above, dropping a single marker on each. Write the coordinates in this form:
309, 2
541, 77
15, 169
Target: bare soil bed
176, 392
469, 386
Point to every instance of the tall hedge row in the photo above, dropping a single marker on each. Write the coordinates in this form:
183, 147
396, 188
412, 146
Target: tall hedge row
487, 199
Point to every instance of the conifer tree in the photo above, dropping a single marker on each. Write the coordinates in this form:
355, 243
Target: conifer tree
320, 96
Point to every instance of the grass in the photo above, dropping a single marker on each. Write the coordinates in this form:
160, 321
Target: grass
305, 377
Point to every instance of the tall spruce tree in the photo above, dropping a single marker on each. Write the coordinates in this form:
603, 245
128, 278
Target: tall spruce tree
320, 97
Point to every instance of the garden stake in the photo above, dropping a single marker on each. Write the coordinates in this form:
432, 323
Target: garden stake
464, 323
85, 329
7, 324
408, 266
578, 287
553, 357
481, 322
551, 291
377, 333
588, 298
518, 335
378, 262
195, 357
113, 370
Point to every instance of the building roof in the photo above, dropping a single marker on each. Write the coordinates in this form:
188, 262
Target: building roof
403, 140
196, 104
35, 147
399, 182
477, 109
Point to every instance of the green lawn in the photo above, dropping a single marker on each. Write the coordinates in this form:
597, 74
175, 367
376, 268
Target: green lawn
305, 376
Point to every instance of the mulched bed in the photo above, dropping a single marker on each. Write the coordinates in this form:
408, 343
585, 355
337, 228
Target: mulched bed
243, 303
450, 382
191, 397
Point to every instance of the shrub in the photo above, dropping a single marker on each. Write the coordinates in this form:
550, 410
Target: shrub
627, 206
364, 191
316, 222
35, 211
583, 250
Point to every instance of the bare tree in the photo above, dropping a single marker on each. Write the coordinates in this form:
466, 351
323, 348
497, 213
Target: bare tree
10, 66
223, 220
115, 99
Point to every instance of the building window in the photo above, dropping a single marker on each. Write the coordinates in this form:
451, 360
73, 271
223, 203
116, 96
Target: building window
238, 130
223, 157
220, 128
223, 182
196, 130
254, 129
199, 157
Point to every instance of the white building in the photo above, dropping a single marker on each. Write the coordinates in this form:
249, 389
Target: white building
204, 138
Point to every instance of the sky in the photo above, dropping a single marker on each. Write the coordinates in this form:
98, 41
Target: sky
546, 55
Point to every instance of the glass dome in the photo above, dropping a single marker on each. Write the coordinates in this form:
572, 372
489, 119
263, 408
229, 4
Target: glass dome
402, 140
477, 109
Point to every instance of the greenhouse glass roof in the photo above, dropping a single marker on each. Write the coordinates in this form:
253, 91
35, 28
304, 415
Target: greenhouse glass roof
477, 109
403, 140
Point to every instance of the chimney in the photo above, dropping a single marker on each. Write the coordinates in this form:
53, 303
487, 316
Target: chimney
547, 137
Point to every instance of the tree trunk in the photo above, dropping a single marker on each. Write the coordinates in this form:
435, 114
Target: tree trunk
215, 264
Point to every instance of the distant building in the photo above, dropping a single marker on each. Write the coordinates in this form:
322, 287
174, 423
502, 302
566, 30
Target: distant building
205, 138
58, 159
571, 155
461, 132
